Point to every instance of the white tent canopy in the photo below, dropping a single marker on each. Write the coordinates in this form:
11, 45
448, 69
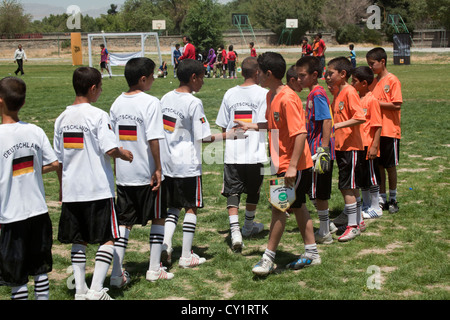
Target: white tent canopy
117, 59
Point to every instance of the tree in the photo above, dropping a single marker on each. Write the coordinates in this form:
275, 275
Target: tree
12, 18
337, 14
112, 10
203, 25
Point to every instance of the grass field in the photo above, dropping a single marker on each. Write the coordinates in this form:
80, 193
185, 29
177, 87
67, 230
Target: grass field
410, 249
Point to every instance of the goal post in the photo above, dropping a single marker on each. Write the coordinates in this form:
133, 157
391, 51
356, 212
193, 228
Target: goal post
120, 58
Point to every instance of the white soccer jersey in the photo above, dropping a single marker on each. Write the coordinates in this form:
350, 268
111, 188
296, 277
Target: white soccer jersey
185, 125
247, 104
24, 150
136, 119
83, 135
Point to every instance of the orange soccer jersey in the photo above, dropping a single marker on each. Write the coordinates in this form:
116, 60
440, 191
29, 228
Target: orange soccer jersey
388, 89
286, 119
371, 108
346, 106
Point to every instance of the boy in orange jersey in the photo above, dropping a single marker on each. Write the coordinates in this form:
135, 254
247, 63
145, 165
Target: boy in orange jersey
290, 157
362, 78
349, 147
387, 89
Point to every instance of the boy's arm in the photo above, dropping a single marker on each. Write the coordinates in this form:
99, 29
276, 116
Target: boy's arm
326, 132
373, 151
59, 171
391, 105
156, 178
291, 173
348, 123
50, 167
232, 134
120, 153
251, 126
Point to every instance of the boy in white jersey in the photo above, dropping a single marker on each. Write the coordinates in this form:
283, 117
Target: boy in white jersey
26, 229
137, 121
185, 129
244, 159
84, 143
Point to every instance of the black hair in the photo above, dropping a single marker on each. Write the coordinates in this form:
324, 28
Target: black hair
363, 73
274, 62
13, 92
351, 46
305, 38
377, 54
187, 68
188, 39
342, 64
230, 47
249, 67
252, 43
84, 78
319, 35
291, 73
311, 63
137, 68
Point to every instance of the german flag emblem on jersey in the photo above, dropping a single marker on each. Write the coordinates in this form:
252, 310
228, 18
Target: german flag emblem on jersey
23, 165
169, 123
73, 140
243, 115
128, 133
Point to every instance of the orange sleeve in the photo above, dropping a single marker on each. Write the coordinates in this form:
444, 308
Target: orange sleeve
395, 90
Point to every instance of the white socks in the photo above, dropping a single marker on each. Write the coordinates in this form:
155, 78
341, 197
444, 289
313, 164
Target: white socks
189, 226
120, 246
156, 241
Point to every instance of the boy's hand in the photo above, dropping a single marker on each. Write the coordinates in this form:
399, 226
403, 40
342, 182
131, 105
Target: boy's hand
372, 154
290, 177
156, 180
241, 125
126, 155
236, 133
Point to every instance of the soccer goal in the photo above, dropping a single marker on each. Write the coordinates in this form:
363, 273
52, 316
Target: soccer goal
122, 47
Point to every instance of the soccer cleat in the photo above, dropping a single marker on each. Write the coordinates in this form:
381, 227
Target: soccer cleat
120, 281
236, 241
326, 239
383, 205
256, 228
393, 206
166, 255
349, 234
372, 213
333, 228
191, 262
80, 296
341, 219
98, 295
263, 267
159, 275
362, 226
303, 261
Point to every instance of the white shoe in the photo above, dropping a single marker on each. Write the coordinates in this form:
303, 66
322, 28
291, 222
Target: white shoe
191, 262
120, 281
157, 275
98, 295
325, 239
80, 296
264, 267
236, 241
333, 228
255, 229
371, 213
166, 255
349, 234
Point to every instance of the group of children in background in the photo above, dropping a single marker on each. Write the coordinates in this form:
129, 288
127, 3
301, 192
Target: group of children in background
156, 146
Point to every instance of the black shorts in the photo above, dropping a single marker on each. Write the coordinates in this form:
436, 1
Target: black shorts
139, 204
321, 184
91, 222
371, 173
184, 192
103, 65
25, 250
350, 170
302, 186
389, 152
242, 178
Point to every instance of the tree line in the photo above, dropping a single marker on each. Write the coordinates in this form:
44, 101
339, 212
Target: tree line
205, 20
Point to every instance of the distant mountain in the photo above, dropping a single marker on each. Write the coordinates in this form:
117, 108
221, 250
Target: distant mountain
40, 11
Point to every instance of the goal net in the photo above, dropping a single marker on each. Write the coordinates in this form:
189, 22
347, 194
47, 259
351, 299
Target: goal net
122, 47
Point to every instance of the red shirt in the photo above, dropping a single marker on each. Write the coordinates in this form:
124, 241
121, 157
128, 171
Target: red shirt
189, 52
253, 52
321, 48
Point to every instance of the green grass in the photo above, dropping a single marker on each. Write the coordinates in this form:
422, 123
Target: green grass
410, 248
